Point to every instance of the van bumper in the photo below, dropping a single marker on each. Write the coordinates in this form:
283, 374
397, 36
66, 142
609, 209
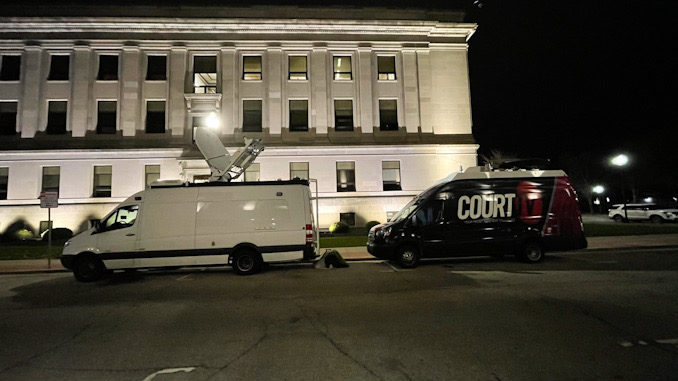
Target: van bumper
67, 261
381, 251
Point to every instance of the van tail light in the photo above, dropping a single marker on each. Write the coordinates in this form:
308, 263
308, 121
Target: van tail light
309, 233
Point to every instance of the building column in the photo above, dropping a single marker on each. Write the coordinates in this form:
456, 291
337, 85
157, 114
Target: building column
229, 108
410, 91
425, 84
30, 90
274, 102
176, 103
364, 77
81, 86
319, 88
130, 104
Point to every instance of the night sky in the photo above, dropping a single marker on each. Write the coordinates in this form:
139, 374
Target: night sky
577, 82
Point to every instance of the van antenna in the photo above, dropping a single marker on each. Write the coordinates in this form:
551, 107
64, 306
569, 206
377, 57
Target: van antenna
223, 166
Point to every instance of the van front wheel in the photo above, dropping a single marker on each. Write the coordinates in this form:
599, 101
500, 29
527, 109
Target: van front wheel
246, 262
407, 257
531, 252
88, 268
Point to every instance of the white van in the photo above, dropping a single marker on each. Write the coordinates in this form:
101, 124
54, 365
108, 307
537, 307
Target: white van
183, 224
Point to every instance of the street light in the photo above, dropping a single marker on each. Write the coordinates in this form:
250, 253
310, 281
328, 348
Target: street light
212, 121
598, 189
620, 161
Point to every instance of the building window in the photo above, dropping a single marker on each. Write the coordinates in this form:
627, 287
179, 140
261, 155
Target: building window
299, 115
205, 74
342, 68
299, 170
106, 117
108, 68
50, 179
56, 117
251, 68
347, 218
102, 181
59, 67
4, 177
343, 115
157, 68
388, 115
10, 68
251, 115
8, 118
155, 117
386, 68
252, 172
298, 68
390, 174
152, 173
345, 176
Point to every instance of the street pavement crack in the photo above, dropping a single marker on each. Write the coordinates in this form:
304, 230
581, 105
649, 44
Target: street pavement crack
323, 329
242, 354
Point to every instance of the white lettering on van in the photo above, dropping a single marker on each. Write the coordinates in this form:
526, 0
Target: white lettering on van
485, 206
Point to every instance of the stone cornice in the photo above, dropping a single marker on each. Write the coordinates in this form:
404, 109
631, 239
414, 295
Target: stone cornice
279, 27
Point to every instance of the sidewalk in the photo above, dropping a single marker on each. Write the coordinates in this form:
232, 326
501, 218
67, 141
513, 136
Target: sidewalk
360, 252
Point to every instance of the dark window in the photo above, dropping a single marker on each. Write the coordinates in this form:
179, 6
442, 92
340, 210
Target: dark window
4, 176
298, 115
205, 74
108, 68
251, 115
345, 176
251, 67
386, 67
388, 115
8, 118
58, 68
56, 118
347, 218
152, 173
390, 174
10, 68
102, 181
299, 170
429, 214
342, 68
343, 115
106, 117
157, 68
298, 69
50, 179
155, 117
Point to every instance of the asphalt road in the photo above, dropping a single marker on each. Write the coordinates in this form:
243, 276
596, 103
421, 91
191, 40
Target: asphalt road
586, 316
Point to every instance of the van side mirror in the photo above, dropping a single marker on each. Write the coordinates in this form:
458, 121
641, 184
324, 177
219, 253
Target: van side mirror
96, 225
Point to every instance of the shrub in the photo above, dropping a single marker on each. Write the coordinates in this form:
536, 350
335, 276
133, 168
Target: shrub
339, 227
58, 234
21, 235
370, 224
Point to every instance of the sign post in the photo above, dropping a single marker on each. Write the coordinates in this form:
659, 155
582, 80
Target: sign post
49, 200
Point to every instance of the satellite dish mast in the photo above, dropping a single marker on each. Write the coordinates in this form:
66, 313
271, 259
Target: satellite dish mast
225, 167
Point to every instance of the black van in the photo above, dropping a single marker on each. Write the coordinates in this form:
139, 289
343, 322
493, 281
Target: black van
484, 212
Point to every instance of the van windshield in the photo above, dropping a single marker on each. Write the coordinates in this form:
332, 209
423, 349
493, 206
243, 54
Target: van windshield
406, 211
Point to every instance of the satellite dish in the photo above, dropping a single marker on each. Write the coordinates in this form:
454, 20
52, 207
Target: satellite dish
225, 167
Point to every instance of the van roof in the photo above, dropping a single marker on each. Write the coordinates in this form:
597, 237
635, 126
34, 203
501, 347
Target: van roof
180, 184
488, 173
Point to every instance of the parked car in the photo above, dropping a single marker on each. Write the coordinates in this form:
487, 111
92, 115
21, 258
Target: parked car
642, 212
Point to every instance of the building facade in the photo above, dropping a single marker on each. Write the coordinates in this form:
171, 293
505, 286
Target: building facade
96, 108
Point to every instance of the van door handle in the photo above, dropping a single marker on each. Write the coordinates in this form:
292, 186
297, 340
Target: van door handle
130, 234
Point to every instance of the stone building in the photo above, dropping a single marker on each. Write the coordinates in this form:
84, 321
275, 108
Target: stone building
372, 103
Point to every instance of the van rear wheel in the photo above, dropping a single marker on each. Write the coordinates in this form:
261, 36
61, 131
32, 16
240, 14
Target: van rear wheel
88, 268
407, 257
247, 262
531, 252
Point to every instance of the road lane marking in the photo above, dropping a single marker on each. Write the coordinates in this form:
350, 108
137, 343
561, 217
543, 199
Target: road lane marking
390, 265
668, 341
184, 277
168, 371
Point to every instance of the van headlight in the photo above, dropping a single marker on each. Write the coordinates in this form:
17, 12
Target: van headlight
383, 233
